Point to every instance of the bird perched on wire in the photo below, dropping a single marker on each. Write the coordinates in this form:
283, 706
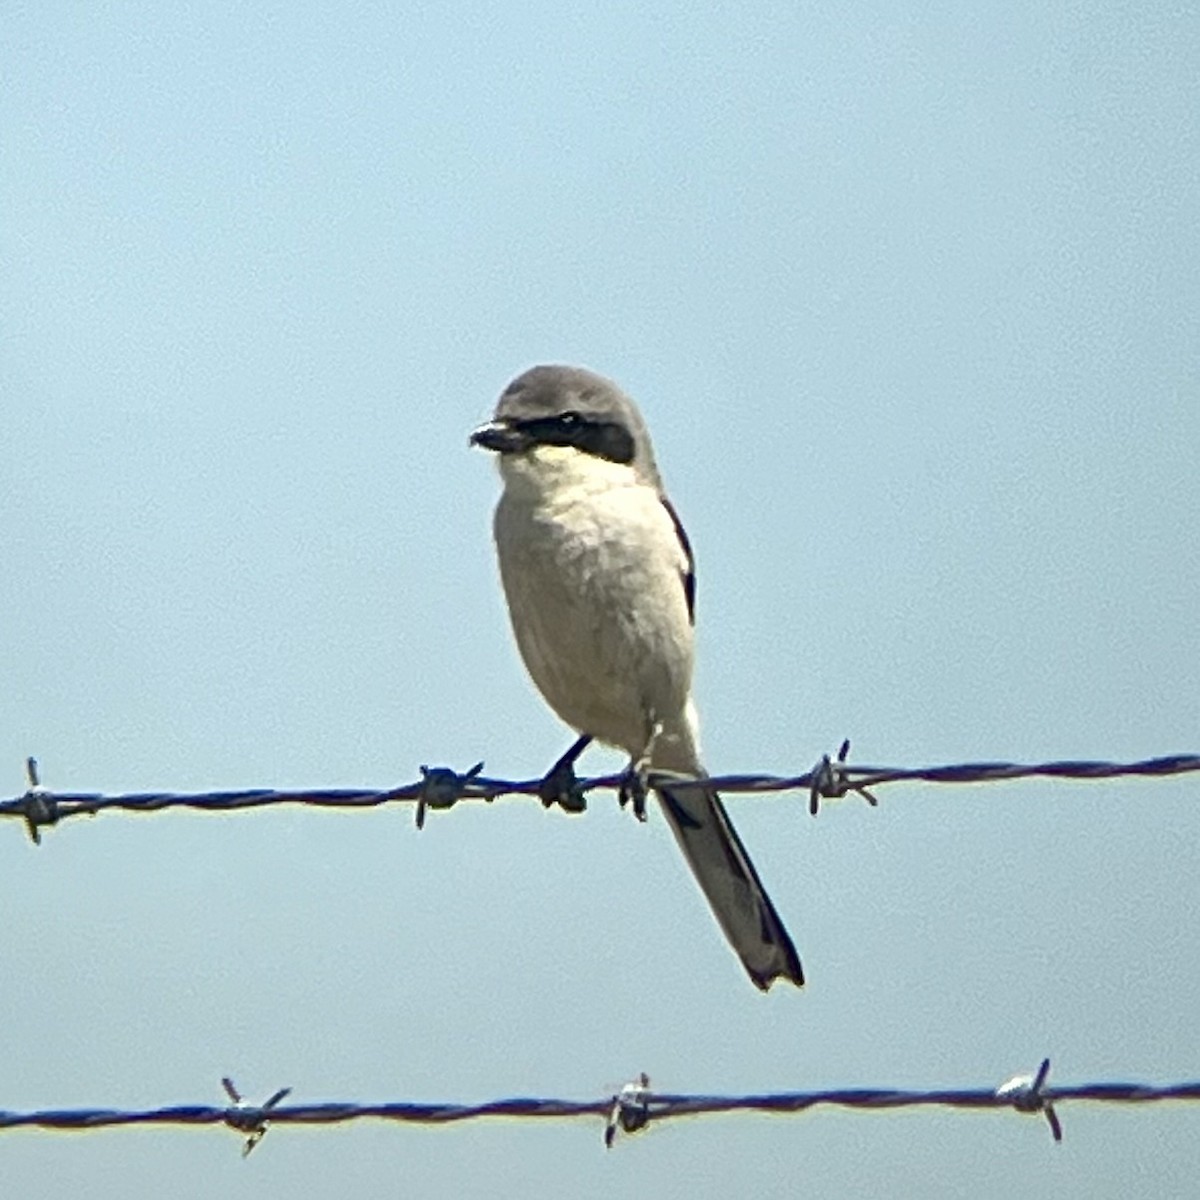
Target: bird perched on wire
599, 577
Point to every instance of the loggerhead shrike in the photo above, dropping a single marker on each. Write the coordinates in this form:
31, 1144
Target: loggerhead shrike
599, 579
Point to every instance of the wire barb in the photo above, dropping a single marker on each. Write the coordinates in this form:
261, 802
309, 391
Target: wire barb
40, 807
630, 1109
830, 781
249, 1119
1026, 1093
442, 788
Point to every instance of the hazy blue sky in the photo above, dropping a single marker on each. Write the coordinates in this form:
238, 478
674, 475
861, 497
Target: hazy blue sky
910, 297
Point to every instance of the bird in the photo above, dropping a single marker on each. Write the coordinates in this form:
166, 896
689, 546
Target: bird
600, 582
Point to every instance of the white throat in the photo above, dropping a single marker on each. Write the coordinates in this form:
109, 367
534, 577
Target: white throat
552, 474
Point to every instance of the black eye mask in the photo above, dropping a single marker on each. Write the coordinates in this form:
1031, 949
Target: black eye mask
592, 435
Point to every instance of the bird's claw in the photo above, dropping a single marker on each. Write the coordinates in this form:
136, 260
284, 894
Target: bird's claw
561, 786
633, 789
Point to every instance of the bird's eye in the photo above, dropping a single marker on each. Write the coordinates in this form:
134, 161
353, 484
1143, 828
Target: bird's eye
569, 420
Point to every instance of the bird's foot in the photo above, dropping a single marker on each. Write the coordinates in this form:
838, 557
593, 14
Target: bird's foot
633, 789
560, 785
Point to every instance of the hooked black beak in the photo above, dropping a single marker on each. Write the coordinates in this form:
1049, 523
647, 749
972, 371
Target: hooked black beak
500, 436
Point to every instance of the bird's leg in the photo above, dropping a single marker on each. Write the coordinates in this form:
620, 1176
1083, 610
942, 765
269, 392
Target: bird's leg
633, 784
560, 785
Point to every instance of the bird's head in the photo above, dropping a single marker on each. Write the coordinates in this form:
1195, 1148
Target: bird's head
555, 419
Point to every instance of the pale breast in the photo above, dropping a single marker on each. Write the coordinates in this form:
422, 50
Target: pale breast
595, 592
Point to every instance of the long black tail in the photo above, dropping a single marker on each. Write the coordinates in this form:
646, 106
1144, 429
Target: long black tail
727, 877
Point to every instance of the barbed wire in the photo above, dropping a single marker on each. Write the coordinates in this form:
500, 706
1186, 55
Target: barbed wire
631, 1109
442, 787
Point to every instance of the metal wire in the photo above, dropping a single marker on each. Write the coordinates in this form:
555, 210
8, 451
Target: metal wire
440, 787
633, 1108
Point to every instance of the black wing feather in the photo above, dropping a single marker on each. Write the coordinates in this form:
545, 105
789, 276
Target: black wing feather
688, 578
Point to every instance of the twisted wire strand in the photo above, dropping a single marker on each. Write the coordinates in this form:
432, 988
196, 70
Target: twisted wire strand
658, 1106
441, 787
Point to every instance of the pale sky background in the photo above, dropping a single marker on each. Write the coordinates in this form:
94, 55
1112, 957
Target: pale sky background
910, 297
